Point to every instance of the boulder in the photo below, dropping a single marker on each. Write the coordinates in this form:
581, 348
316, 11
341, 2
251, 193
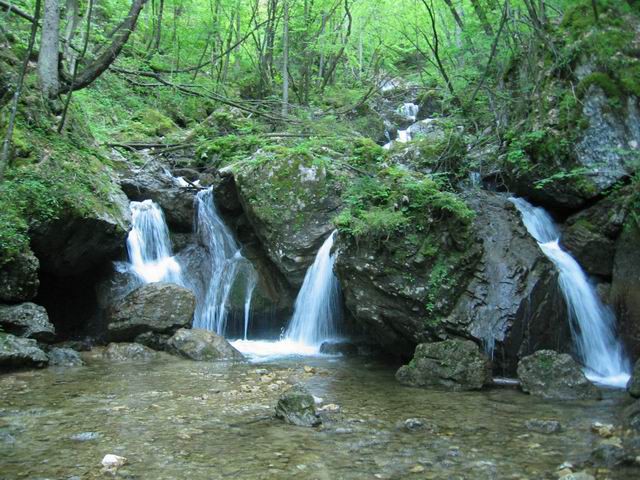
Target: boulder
290, 201
155, 307
202, 345
556, 376
77, 242
512, 303
20, 352
27, 320
154, 340
128, 352
19, 278
453, 364
297, 407
153, 182
625, 286
633, 386
64, 357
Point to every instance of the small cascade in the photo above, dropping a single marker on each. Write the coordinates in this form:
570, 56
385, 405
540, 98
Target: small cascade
592, 323
252, 281
149, 245
317, 308
410, 110
226, 263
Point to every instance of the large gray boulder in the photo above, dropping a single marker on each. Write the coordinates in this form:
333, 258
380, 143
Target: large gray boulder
27, 320
202, 345
18, 352
155, 307
297, 407
452, 364
128, 352
19, 278
633, 386
79, 241
556, 376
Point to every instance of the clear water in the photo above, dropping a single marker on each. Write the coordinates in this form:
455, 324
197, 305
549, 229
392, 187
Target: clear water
317, 310
226, 263
176, 419
149, 245
592, 322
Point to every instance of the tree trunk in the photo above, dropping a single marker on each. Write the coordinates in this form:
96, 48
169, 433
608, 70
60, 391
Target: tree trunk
285, 61
482, 16
455, 14
48, 56
104, 60
72, 19
6, 144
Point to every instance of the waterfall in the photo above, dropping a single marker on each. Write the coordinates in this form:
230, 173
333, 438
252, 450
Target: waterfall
410, 110
149, 245
225, 261
317, 308
592, 323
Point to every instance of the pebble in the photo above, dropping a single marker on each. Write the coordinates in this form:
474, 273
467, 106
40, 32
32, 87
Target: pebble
543, 426
417, 469
308, 369
605, 430
578, 476
112, 462
85, 436
330, 408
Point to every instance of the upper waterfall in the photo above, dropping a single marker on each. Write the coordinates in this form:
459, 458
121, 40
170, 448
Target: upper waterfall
592, 323
149, 245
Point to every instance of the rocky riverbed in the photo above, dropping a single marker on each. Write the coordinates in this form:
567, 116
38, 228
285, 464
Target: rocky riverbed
173, 418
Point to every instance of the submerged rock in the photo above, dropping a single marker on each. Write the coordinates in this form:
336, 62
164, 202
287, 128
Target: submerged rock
297, 407
633, 386
453, 364
19, 278
64, 357
553, 375
128, 352
347, 349
20, 352
543, 426
27, 320
202, 345
156, 307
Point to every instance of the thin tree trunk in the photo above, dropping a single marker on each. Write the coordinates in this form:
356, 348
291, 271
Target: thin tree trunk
72, 17
285, 61
48, 56
75, 67
482, 16
455, 14
103, 61
6, 144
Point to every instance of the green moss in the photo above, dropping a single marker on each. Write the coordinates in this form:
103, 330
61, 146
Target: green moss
227, 149
151, 122
602, 80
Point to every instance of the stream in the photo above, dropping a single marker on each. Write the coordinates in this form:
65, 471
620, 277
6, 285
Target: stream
175, 418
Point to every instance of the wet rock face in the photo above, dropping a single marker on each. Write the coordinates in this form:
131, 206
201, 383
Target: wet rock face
19, 278
452, 364
512, 302
151, 182
73, 245
555, 376
290, 202
27, 320
128, 352
625, 287
633, 387
16, 352
297, 407
156, 307
590, 235
202, 345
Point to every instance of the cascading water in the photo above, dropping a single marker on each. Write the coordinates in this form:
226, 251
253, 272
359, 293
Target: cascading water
317, 310
592, 323
410, 110
316, 315
149, 245
226, 262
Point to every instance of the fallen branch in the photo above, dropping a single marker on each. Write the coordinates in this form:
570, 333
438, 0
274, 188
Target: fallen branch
143, 146
10, 8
